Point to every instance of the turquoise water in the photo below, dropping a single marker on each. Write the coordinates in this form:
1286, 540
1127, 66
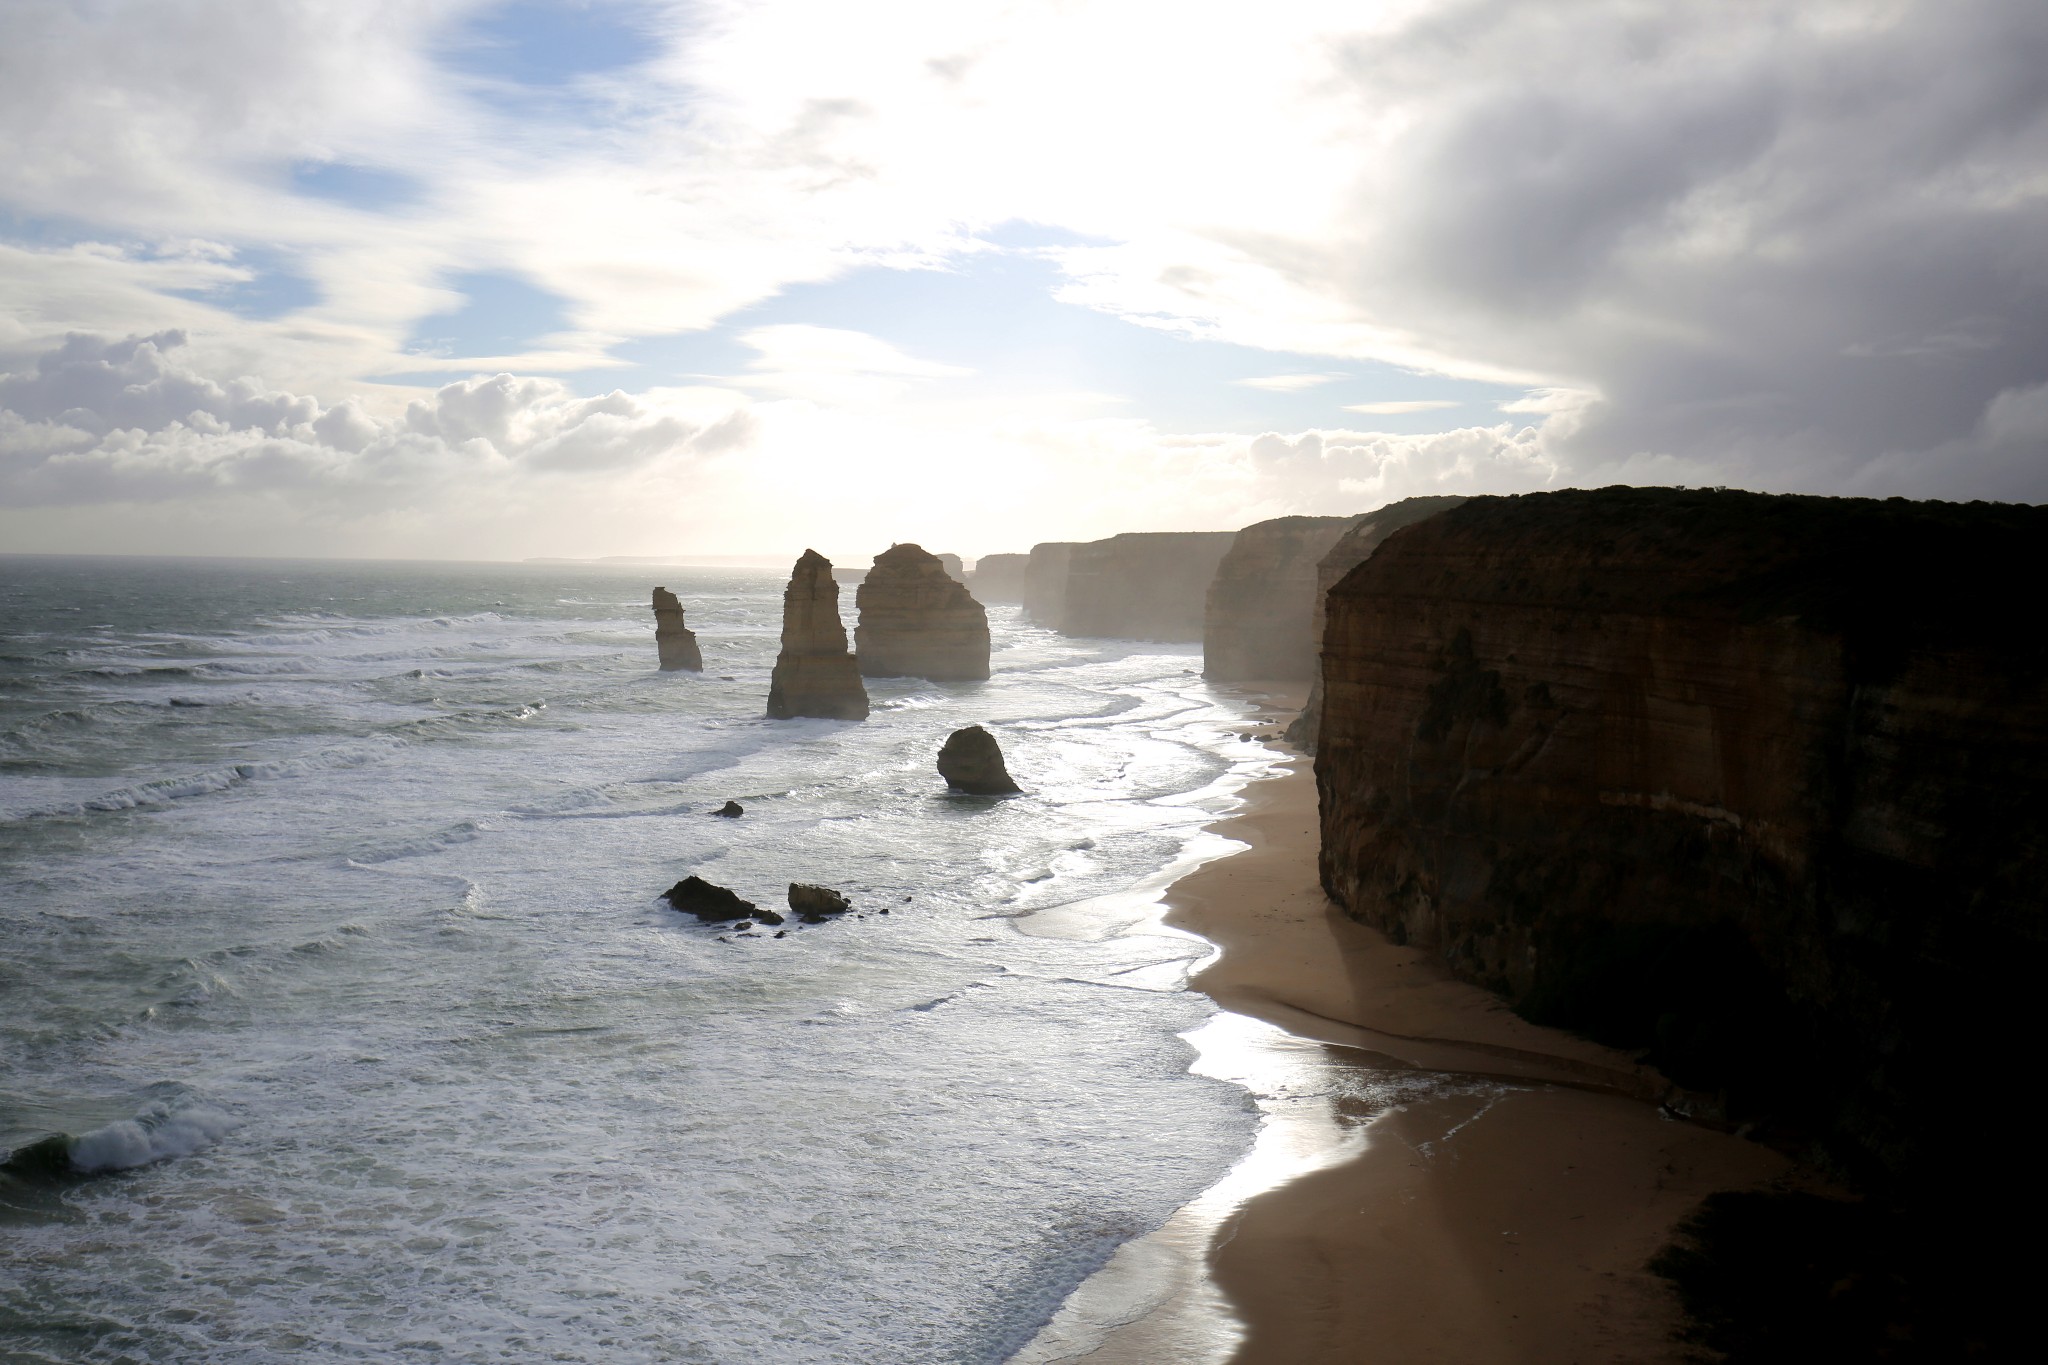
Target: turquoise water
340, 1020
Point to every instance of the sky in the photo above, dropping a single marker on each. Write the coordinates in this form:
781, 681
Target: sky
512, 278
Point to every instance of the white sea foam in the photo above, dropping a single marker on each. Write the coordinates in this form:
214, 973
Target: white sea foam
155, 1134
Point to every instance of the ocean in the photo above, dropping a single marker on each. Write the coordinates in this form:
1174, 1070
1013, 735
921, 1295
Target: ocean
340, 1018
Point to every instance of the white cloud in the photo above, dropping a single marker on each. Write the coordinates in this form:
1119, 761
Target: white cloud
1287, 383
1396, 406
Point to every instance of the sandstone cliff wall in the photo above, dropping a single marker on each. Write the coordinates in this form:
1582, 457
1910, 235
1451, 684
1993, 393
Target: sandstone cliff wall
814, 675
998, 578
1045, 582
1260, 618
918, 621
1350, 550
1759, 784
1143, 585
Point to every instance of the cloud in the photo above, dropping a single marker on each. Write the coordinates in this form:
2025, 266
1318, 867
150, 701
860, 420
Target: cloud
1397, 406
1287, 383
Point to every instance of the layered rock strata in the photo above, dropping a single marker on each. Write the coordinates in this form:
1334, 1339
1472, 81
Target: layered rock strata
1143, 585
971, 761
1351, 549
1260, 618
675, 644
1045, 582
814, 675
918, 621
998, 578
1759, 784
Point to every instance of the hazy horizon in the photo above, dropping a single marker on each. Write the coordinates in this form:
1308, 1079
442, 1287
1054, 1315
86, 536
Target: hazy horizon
515, 279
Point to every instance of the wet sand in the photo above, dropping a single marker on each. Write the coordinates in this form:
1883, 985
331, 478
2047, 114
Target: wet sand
1436, 1179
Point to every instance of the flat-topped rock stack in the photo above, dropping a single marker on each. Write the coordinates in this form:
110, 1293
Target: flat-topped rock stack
814, 673
675, 643
1262, 612
918, 621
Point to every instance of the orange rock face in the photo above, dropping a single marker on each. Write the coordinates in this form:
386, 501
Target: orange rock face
1261, 613
814, 675
918, 621
1759, 784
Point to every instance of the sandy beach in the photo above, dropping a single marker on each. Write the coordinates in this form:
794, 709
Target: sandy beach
1451, 1183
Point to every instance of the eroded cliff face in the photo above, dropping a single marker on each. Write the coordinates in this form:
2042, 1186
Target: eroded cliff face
814, 675
1759, 784
1045, 582
1261, 614
998, 578
1143, 585
918, 621
1350, 550
674, 643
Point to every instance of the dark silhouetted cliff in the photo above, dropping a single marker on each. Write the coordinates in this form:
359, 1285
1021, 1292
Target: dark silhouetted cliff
1261, 615
918, 621
1144, 585
1353, 548
1758, 784
814, 675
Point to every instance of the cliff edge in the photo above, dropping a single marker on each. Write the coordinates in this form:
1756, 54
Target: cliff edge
1261, 613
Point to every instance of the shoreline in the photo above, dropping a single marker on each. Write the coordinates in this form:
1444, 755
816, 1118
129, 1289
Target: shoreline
1433, 1178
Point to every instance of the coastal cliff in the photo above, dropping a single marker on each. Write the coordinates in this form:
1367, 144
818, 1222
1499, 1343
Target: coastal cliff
1758, 784
674, 643
1351, 549
998, 578
814, 675
917, 620
1045, 582
1261, 614
1143, 585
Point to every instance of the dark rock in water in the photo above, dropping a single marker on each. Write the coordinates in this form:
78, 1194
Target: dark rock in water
972, 761
815, 904
676, 644
731, 810
782, 933
814, 674
714, 904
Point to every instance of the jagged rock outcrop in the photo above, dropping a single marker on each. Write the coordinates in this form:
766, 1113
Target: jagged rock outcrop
1143, 585
971, 761
731, 810
816, 904
998, 578
675, 644
814, 675
1261, 614
1351, 549
1759, 784
918, 621
714, 904
1045, 582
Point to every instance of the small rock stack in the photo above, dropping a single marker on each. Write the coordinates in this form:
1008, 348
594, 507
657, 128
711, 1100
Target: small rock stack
677, 644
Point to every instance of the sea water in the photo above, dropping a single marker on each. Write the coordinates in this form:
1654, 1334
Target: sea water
340, 1018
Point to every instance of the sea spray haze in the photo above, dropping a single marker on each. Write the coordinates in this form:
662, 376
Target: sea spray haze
341, 1020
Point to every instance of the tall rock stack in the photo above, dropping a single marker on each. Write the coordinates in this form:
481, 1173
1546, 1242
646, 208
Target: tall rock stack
814, 675
918, 621
1143, 585
1353, 548
1045, 581
676, 644
1757, 783
998, 578
1261, 616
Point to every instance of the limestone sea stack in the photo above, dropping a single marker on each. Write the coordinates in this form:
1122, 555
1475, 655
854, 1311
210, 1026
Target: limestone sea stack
1353, 548
676, 645
955, 567
814, 675
1045, 581
998, 578
1758, 784
918, 621
971, 761
1261, 614
1144, 585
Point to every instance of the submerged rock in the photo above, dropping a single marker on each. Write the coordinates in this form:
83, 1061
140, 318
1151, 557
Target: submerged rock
676, 644
714, 904
919, 621
971, 761
731, 810
815, 904
814, 674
